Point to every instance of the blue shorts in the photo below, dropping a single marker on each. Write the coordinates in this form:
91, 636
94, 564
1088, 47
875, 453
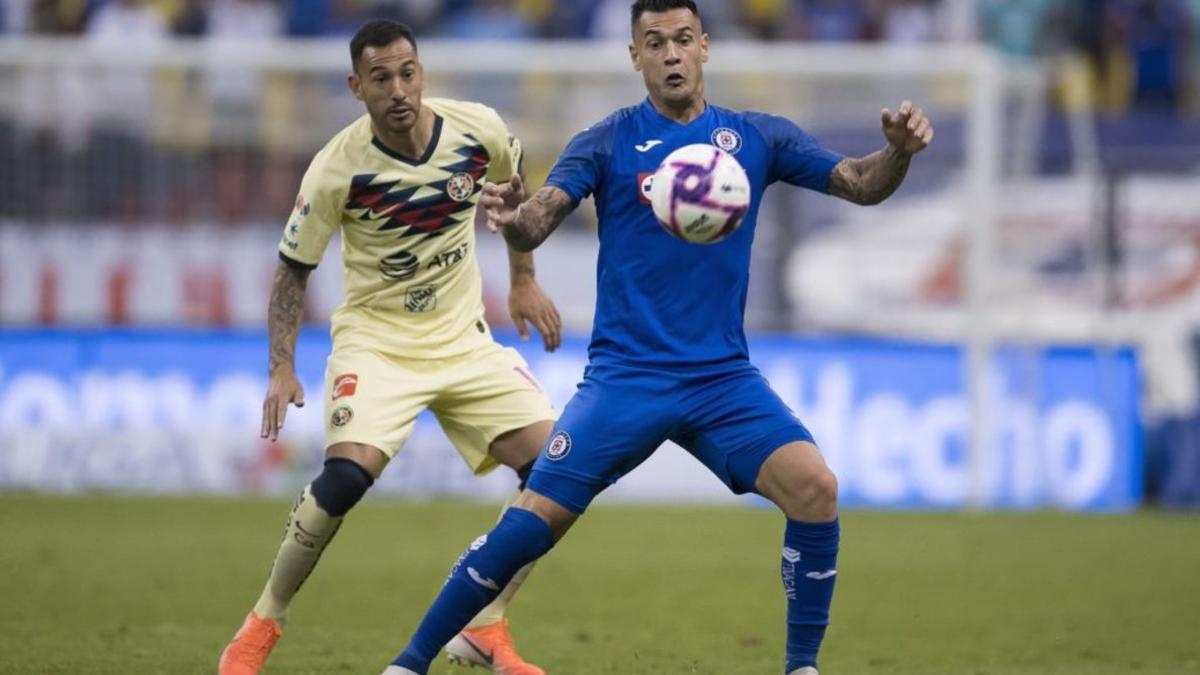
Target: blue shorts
730, 420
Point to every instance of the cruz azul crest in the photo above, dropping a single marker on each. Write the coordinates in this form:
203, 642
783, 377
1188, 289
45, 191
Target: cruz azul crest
727, 139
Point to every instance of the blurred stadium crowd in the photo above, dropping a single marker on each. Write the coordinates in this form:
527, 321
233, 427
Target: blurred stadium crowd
151, 154
1136, 53
1133, 64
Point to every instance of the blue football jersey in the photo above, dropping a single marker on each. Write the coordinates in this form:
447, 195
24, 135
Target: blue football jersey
662, 302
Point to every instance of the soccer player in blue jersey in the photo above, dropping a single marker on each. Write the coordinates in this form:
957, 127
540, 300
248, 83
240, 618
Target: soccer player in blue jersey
668, 357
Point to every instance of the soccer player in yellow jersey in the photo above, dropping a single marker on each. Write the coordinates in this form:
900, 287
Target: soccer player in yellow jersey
401, 183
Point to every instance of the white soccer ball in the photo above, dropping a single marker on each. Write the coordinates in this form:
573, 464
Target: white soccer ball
700, 193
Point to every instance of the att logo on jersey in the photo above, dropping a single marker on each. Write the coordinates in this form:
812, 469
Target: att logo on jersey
449, 258
399, 266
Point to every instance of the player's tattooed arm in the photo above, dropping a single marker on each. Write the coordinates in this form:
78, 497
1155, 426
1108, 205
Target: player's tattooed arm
285, 313
536, 218
872, 179
527, 301
525, 224
520, 263
284, 316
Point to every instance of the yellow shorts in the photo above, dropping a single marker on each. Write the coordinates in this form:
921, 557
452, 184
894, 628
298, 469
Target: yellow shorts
374, 399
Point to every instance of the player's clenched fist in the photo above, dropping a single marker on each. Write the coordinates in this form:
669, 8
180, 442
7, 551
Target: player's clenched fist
500, 201
284, 388
908, 130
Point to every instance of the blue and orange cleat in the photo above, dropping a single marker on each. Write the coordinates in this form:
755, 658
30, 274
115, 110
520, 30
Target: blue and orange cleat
490, 647
250, 646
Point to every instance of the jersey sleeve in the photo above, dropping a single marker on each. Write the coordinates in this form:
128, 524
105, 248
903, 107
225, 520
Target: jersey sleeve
579, 170
316, 214
504, 150
795, 157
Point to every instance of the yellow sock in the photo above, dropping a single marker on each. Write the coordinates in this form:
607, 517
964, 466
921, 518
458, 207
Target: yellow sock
495, 611
309, 530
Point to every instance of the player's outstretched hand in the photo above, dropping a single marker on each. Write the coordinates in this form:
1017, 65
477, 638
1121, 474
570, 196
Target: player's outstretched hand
528, 302
500, 202
909, 130
283, 389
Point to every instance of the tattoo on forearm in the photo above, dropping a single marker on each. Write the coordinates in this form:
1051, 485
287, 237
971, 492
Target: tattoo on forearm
285, 314
537, 218
871, 179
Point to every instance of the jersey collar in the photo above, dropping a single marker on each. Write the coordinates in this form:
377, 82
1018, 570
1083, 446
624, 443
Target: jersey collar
650, 111
433, 141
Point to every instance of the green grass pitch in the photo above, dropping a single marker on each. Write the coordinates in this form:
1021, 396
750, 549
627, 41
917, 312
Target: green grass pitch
127, 586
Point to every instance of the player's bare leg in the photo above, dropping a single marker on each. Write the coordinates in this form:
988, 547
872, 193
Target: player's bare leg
796, 478
350, 469
486, 641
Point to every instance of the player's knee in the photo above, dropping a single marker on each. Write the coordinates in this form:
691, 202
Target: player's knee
825, 493
341, 484
813, 498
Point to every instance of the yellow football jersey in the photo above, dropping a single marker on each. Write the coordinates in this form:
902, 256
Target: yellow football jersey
411, 280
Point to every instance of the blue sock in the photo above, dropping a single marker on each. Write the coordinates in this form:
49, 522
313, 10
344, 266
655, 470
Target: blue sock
475, 580
809, 570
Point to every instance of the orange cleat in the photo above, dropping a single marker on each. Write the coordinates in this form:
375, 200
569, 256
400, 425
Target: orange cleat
491, 647
250, 646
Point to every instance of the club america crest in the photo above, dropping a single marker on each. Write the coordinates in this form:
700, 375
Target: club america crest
460, 186
341, 416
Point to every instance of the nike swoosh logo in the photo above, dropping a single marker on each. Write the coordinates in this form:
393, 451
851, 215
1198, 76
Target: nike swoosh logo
483, 655
647, 145
821, 576
479, 579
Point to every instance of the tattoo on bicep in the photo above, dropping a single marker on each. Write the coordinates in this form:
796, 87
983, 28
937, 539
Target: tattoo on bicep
285, 313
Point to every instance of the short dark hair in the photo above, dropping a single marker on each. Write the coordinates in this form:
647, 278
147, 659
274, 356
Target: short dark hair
378, 33
640, 7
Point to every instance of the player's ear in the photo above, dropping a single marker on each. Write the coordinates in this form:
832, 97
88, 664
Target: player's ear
633, 57
355, 85
704, 48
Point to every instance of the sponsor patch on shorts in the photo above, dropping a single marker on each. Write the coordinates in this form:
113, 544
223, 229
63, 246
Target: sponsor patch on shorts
345, 385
